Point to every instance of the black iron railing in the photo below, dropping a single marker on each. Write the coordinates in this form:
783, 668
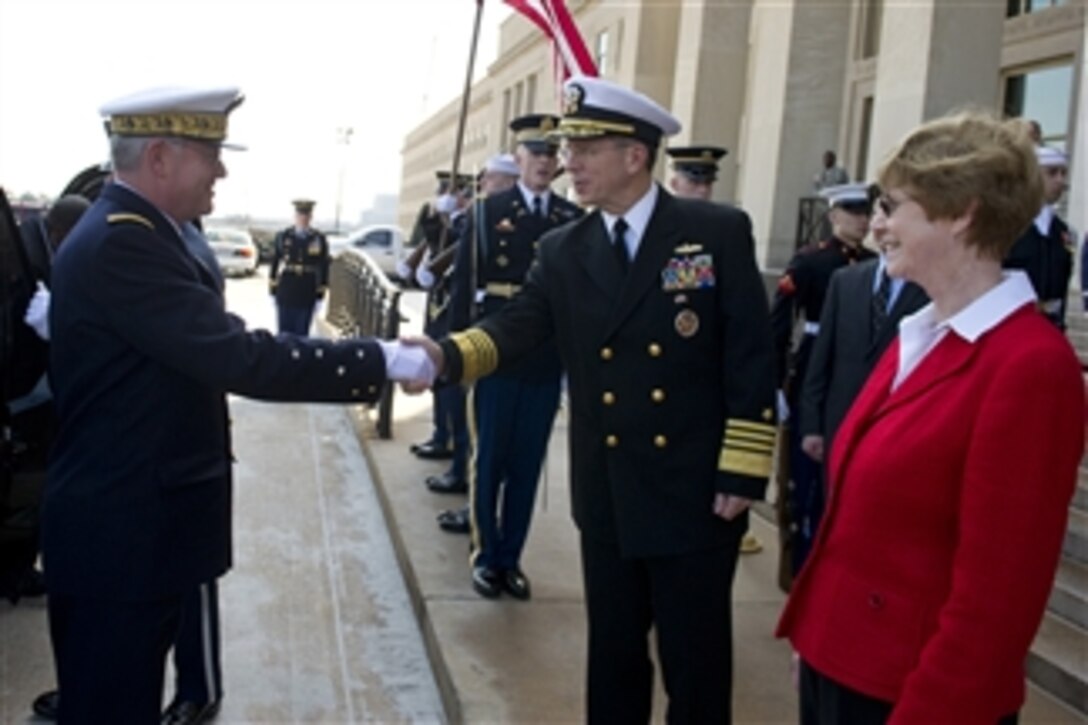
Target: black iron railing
364, 303
812, 223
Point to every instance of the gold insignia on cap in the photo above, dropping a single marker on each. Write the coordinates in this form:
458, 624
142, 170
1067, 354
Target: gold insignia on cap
207, 126
687, 323
572, 99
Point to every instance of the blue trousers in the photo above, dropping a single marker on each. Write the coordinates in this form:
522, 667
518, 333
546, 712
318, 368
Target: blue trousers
196, 649
512, 421
295, 320
450, 422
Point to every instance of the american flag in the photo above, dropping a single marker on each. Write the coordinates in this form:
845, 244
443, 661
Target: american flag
572, 58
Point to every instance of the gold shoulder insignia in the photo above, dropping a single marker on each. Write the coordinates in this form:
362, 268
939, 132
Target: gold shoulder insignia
688, 248
134, 218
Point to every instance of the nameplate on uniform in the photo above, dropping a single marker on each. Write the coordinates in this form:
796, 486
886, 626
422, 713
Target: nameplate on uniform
688, 272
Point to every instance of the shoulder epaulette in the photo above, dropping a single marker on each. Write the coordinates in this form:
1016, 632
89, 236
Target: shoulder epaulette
128, 217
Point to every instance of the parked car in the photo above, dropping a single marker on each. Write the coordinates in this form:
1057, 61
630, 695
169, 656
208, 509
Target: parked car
384, 243
234, 250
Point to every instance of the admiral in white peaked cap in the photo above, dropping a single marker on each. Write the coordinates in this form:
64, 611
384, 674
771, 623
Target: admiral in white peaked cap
596, 107
194, 113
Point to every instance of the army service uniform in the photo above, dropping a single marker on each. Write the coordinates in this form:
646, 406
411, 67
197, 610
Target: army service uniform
299, 277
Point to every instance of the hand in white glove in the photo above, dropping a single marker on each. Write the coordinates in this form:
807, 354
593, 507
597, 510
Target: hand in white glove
445, 204
37, 312
408, 364
404, 271
425, 277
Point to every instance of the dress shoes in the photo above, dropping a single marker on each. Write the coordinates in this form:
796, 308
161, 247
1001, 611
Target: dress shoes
47, 705
516, 584
447, 483
187, 712
431, 452
454, 521
487, 582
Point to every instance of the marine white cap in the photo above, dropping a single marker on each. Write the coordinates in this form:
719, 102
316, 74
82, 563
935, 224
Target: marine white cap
1050, 156
846, 194
502, 164
196, 113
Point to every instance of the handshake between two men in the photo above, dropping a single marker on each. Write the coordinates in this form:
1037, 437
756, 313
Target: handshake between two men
413, 361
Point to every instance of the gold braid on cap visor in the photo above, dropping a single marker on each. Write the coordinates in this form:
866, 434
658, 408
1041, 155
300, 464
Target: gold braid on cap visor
589, 127
209, 126
479, 356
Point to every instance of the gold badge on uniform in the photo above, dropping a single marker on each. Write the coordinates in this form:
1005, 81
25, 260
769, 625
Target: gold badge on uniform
684, 272
687, 323
314, 248
505, 226
502, 260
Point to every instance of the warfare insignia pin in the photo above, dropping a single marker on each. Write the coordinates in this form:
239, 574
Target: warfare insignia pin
696, 272
688, 248
686, 323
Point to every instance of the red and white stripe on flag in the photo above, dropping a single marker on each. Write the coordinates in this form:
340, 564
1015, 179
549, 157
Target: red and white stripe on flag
555, 21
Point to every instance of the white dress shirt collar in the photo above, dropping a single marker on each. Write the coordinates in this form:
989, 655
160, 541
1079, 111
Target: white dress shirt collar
637, 218
528, 194
1043, 219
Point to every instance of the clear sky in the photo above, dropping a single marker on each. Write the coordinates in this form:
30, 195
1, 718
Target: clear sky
307, 68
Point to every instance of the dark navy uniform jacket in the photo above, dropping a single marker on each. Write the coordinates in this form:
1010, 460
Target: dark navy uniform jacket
1048, 261
670, 368
300, 267
138, 500
507, 235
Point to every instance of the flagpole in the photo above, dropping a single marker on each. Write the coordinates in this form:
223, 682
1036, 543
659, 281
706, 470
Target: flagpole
466, 95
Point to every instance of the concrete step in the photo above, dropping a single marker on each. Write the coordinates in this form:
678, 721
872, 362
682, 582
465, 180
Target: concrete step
1080, 495
1076, 536
1058, 662
1069, 598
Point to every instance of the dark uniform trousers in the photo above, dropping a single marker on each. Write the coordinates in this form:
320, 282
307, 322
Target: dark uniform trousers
196, 648
299, 275
671, 401
800, 294
137, 508
511, 413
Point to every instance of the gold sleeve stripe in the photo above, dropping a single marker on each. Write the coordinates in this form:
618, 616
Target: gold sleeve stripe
751, 426
742, 446
745, 463
479, 356
748, 436
122, 218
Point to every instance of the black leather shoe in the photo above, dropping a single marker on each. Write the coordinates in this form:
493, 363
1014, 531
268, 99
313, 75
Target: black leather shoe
446, 483
516, 584
414, 448
454, 521
187, 712
486, 582
47, 705
431, 452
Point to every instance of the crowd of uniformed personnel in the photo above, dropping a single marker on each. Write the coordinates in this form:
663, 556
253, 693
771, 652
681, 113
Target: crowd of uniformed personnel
646, 307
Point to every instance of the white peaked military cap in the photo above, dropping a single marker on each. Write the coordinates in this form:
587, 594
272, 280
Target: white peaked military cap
1050, 156
847, 195
502, 164
195, 113
596, 107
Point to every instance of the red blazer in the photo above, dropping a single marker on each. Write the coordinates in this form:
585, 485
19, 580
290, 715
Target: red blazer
949, 499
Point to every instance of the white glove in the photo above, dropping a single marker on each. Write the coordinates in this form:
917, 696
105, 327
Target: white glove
37, 312
445, 204
783, 407
404, 270
425, 277
407, 363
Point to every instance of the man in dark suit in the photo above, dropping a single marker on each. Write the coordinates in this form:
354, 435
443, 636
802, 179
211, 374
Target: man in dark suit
513, 410
661, 320
137, 509
860, 319
299, 274
1045, 249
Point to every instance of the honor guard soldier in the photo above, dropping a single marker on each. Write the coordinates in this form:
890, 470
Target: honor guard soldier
1045, 249
800, 298
695, 170
299, 275
513, 410
660, 316
137, 506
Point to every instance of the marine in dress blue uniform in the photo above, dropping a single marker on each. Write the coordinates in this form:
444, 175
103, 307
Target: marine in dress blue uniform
511, 412
1045, 249
662, 325
800, 297
137, 508
299, 275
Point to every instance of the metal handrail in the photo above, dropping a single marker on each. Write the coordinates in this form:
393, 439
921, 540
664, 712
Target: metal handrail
364, 303
812, 222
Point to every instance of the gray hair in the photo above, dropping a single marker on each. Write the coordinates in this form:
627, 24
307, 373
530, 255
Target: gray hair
125, 151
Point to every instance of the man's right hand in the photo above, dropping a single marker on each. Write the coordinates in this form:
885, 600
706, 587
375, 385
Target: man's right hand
434, 352
813, 445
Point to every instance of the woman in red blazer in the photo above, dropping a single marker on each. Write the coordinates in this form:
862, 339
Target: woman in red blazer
952, 474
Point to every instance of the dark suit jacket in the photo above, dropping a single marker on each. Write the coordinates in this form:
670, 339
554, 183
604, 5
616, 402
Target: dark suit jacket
670, 368
844, 352
138, 501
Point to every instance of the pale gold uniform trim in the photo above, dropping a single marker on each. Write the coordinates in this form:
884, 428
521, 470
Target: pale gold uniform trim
479, 355
121, 218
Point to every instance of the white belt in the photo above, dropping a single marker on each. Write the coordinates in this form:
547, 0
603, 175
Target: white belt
812, 328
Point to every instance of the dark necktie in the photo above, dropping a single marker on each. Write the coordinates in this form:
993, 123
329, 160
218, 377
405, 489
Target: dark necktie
880, 304
538, 206
619, 244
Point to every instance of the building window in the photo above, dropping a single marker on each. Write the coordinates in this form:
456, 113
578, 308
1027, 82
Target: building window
530, 93
601, 52
873, 16
1042, 94
1020, 7
519, 91
865, 129
505, 118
